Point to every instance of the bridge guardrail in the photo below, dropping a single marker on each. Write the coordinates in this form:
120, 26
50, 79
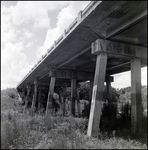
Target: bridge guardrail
71, 26
66, 31
59, 39
88, 7
50, 48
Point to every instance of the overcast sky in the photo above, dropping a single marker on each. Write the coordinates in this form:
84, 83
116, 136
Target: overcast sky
29, 28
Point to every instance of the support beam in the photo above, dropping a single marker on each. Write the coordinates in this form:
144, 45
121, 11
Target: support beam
143, 38
109, 78
33, 103
50, 94
39, 99
60, 99
73, 96
91, 89
117, 49
62, 83
70, 74
35, 95
96, 104
108, 91
136, 100
64, 99
23, 95
42, 83
27, 97
125, 23
118, 66
97, 34
31, 97
74, 57
78, 102
44, 88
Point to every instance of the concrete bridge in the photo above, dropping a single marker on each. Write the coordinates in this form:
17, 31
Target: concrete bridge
106, 38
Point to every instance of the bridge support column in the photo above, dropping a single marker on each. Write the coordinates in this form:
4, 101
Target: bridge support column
73, 96
58, 91
64, 99
50, 94
91, 89
27, 97
96, 104
136, 103
39, 99
35, 95
23, 94
60, 100
109, 79
78, 102
108, 91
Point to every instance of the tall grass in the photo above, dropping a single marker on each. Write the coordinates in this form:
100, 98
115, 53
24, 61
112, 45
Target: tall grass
39, 131
24, 131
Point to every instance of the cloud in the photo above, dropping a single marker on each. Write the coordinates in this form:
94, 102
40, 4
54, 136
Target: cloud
69, 13
29, 44
21, 22
50, 38
26, 12
119, 82
34, 12
27, 34
8, 36
124, 79
13, 64
65, 17
144, 76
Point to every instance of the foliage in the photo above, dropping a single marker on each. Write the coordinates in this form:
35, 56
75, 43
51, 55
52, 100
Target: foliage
114, 94
10, 92
144, 99
83, 90
35, 131
48, 132
125, 97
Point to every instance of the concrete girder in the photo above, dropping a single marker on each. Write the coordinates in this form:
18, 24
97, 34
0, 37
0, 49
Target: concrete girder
127, 22
118, 49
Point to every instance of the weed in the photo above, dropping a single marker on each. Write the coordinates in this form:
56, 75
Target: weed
40, 131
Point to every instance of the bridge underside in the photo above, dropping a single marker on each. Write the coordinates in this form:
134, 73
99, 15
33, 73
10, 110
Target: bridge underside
109, 38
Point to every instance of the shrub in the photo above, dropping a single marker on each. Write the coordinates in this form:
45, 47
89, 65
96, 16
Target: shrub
10, 135
11, 93
67, 135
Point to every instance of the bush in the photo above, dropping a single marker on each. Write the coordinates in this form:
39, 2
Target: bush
10, 135
31, 130
10, 92
67, 135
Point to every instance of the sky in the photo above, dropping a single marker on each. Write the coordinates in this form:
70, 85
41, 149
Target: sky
29, 28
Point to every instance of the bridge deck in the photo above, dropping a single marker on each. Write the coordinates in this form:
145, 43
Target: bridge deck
121, 21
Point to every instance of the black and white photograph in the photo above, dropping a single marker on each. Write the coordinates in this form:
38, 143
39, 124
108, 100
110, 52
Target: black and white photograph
74, 75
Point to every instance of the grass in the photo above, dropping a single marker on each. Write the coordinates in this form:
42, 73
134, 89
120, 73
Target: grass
20, 131
35, 131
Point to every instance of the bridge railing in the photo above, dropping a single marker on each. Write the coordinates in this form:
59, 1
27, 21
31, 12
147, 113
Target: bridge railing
51, 48
71, 26
88, 7
59, 39
67, 31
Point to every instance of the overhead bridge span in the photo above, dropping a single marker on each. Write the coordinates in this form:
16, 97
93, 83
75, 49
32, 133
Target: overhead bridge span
106, 38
